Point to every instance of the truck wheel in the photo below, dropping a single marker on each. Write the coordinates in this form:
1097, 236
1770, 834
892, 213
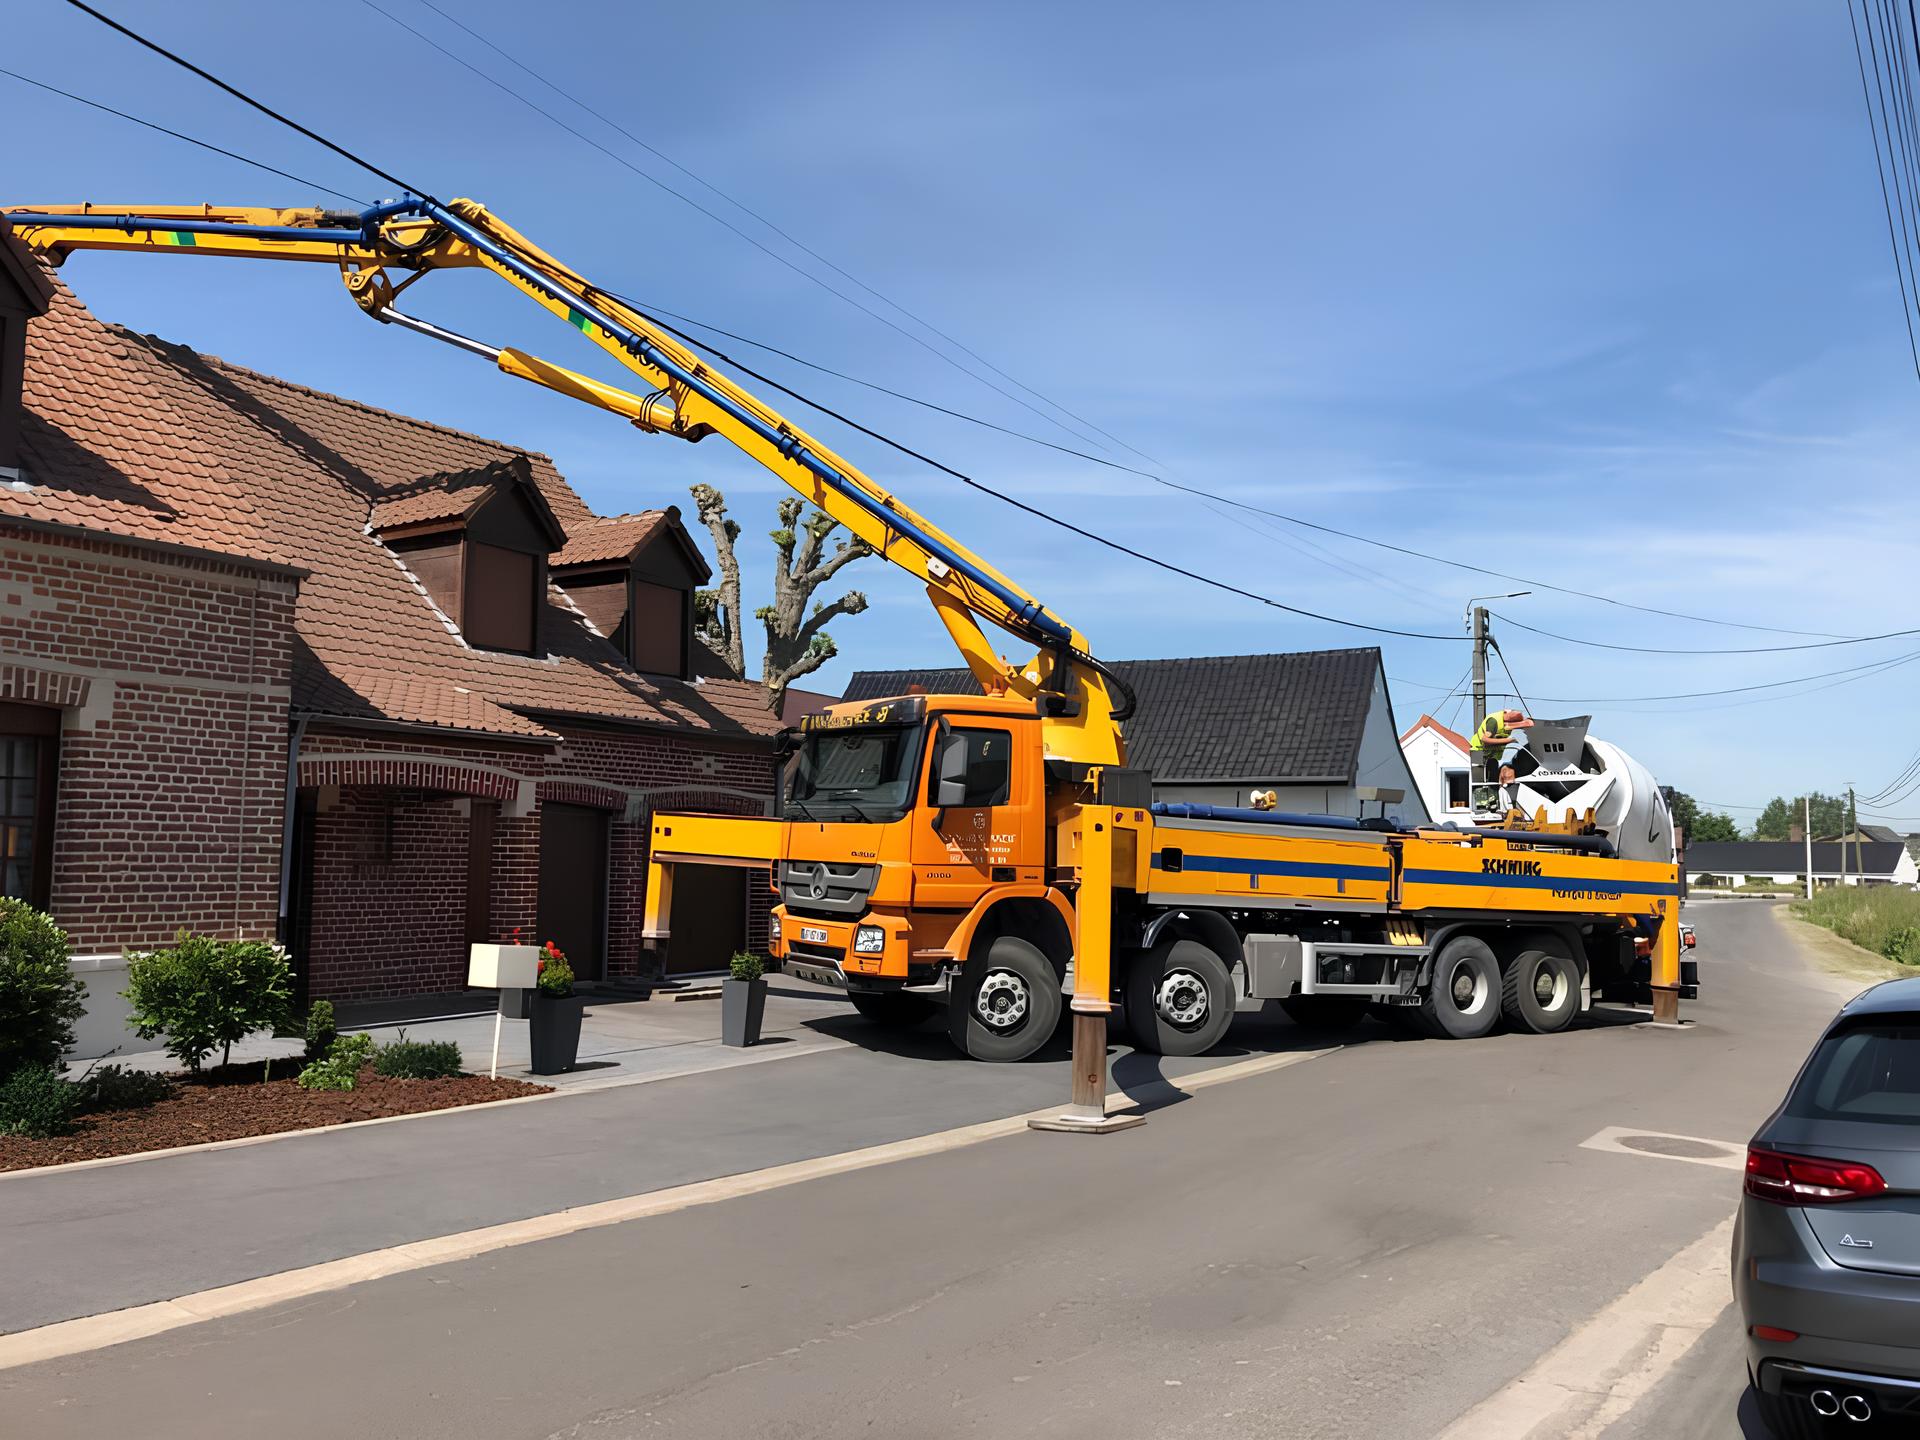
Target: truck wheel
1006, 1006
1330, 1013
1540, 991
1179, 998
890, 1008
1463, 1000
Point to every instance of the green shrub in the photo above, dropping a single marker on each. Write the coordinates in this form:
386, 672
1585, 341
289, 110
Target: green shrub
746, 966
405, 1059
116, 1087
37, 1103
203, 994
320, 1030
1903, 945
40, 996
341, 1069
556, 974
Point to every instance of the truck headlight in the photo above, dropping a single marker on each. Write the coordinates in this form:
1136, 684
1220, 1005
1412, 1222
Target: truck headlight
869, 940
773, 926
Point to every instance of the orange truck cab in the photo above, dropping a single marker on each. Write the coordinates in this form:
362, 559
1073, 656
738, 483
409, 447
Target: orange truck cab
908, 825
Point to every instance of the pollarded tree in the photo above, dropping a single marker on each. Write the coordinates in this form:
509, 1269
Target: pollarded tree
796, 623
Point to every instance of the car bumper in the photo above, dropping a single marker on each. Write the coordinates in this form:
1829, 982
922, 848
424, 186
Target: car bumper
1864, 1323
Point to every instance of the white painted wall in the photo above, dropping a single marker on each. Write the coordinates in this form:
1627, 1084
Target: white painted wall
1429, 756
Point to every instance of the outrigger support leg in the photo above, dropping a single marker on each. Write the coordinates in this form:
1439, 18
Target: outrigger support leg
1086, 1114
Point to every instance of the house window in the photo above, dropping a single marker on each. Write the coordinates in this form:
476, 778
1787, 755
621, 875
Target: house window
1456, 789
502, 598
659, 629
29, 759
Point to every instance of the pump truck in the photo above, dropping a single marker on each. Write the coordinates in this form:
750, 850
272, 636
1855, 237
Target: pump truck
993, 854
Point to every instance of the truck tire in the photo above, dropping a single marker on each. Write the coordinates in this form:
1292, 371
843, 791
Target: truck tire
1330, 1014
1006, 1004
1540, 991
891, 1008
1179, 998
1463, 998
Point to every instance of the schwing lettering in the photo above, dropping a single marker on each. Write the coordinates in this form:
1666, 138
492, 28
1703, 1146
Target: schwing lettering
1509, 867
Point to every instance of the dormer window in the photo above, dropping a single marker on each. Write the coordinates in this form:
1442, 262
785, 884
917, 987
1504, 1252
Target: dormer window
478, 541
634, 576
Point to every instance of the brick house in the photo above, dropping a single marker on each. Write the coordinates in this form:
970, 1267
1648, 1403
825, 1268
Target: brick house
273, 661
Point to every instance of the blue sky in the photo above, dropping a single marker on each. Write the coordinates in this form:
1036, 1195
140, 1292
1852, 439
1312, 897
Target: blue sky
1596, 294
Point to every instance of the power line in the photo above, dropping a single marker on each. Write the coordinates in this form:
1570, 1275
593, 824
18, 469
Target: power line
1738, 650
178, 135
785, 390
1699, 694
745, 209
1022, 505
1196, 491
720, 220
247, 99
1886, 202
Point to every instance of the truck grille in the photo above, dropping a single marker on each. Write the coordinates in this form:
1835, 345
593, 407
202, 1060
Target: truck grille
820, 887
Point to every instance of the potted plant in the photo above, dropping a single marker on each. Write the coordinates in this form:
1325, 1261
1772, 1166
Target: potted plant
554, 1027
743, 1000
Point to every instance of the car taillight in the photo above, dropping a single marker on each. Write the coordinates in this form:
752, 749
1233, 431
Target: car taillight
1803, 1180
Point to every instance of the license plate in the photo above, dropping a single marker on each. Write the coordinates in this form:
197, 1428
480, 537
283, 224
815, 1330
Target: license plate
813, 935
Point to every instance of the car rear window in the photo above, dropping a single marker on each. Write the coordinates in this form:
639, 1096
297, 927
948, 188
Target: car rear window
1867, 1074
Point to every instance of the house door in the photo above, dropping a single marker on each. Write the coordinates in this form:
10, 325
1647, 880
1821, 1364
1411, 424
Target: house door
708, 917
573, 885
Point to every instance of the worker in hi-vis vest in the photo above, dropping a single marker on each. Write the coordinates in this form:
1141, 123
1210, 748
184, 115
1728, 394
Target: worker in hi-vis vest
1489, 743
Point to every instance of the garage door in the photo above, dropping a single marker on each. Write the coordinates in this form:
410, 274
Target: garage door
573, 885
709, 917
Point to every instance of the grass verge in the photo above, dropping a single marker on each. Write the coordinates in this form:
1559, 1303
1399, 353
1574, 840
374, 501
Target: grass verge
1835, 955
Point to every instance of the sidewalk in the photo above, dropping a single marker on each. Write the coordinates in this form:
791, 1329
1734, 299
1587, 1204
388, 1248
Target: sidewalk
86, 1241
626, 1038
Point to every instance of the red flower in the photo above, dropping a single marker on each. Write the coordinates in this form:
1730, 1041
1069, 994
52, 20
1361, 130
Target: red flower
541, 966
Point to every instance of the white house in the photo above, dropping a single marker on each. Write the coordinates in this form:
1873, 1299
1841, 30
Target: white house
1723, 865
1439, 760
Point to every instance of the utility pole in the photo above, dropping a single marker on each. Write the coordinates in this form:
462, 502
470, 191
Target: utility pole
1806, 834
1859, 845
1479, 623
1843, 848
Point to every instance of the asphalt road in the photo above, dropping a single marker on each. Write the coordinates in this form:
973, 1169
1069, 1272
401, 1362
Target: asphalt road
1365, 1244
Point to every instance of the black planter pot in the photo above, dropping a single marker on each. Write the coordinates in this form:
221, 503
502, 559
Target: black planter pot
743, 1005
554, 1030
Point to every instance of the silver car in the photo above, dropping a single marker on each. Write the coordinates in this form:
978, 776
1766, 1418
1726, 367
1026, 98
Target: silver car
1826, 1249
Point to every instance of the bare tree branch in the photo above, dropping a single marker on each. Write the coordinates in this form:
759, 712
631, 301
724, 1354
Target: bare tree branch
720, 627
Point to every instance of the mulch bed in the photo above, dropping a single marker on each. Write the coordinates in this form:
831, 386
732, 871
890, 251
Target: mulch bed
232, 1101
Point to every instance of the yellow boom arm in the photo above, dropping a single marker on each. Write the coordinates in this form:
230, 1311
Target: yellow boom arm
687, 397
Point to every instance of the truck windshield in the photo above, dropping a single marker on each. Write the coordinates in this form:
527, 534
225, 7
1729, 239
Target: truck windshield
856, 774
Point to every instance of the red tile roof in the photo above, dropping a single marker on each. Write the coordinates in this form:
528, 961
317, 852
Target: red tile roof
613, 538
133, 436
1427, 722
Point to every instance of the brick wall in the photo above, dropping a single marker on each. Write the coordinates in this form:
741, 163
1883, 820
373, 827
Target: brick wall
171, 674
389, 895
396, 927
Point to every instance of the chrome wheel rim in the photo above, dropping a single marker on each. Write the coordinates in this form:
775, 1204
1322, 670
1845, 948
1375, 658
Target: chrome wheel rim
1181, 999
1003, 1000
1467, 988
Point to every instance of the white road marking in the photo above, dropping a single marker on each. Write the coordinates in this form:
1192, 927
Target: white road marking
1621, 1139
97, 1332
1600, 1371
